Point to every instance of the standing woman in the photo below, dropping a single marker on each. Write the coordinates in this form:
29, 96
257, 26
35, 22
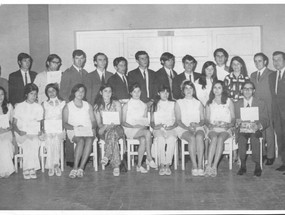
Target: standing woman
135, 126
204, 84
6, 143
220, 119
163, 122
79, 113
189, 113
27, 115
105, 102
53, 111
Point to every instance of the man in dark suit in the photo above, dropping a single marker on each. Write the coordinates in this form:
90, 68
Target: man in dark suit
144, 77
118, 81
277, 87
189, 64
73, 75
98, 77
18, 79
249, 100
166, 74
260, 78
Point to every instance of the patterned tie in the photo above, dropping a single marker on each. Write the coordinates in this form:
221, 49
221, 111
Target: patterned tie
26, 78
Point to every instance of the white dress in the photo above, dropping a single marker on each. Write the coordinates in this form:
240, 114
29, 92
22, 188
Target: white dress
26, 113
6, 149
53, 111
135, 113
203, 94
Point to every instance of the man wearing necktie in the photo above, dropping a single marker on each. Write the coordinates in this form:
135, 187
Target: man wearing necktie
277, 86
20, 78
260, 78
258, 126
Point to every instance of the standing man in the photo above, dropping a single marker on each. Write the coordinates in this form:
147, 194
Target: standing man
166, 74
97, 77
19, 79
260, 79
144, 77
221, 57
189, 64
118, 81
4, 83
277, 86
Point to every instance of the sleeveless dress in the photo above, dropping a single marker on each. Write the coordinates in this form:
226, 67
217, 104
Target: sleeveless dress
203, 94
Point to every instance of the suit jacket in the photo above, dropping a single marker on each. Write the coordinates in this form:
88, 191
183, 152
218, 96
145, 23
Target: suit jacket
70, 77
16, 86
177, 81
4, 84
161, 78
120, 90
135, 76
256, 102
93, 84
278, 100
262, 89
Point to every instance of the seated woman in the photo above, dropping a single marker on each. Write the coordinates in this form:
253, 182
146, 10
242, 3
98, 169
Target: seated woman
53, 111
111, 133
220, 118
136, 126
26, 124
189, 113
79, 113
6, 143
163, 122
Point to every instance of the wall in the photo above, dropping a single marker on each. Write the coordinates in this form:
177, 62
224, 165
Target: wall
64, 20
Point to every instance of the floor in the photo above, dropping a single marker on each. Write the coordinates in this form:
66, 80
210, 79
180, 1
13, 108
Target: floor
136, 191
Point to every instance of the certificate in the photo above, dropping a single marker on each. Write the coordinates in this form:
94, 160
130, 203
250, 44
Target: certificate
81, 131
53, 126
249, 114
32, 127
54, 77
110, 117
4, 121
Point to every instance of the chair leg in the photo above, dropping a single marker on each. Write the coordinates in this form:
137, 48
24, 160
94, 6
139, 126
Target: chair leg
129, 156
175, 157
42, 158
102, 153
62, 157
182, 155
133, 157
260, 155
95, 154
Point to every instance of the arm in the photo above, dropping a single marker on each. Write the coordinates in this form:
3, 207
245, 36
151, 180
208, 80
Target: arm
65, 114
178, 117
92, 117
152, 123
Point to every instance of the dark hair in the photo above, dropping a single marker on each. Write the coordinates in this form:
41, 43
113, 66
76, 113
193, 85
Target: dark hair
161, 88
29, 88
75, 89
264, 57
54, 86
118, 60
51, 57
99, 101
166, 56
5, 101
78, 52
243, 66
22, 56
278, 53
223, 51
224, 93
133, 87
202, 79
248, 82
190, 58
191, 84
141, 53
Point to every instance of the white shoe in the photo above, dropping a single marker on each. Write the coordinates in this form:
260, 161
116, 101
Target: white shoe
116, 171
161, 171
33, 174
200, 172
141, 169
151, 164
194, 172
167, 171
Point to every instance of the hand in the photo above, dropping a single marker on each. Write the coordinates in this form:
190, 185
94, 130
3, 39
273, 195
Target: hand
194, 124
211, 126
192, 128
238, 122
254, 127
159, 126
22, 133
4, 130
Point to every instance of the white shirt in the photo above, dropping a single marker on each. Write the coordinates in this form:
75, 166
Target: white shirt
221, 72
246, 102
277, 77
169, 72
123, 77
261, 71
28, 77
100, 73
146, 79
78, 69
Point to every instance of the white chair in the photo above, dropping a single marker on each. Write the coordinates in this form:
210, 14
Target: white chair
228, 150
20, 157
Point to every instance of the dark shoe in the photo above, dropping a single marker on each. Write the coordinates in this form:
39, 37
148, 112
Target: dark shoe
257, 171
269, 161
264, 158
281, 168
241, 171
70, 164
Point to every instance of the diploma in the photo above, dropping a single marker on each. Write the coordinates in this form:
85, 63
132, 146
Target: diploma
53, 126
110, 117
54, 77
32, 127
249, 114
81, 131
4, 121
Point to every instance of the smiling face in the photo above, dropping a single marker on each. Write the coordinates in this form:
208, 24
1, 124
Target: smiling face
80, 93
188, 91
51, 93
121, 67
25, 64
278, 62
236, 66
248, 91
209, 71
31, 97
101, 62
163, 95
220, 59
169, 64
79, 61
53, 65
106, 94
136, 93
259, 62
143, 61
218, 89
189, 66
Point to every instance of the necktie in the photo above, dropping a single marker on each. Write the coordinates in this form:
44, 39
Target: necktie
125, 82
103, 79
190, 78
170, 74
26, 78
279, 77
144, 74
248, 105
80, 72
258, 76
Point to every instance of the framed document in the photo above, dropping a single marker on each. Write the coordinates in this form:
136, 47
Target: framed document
53, 126
81, 131
54, 77
247, 127
249, 114
110, 117
4, 121
32, 127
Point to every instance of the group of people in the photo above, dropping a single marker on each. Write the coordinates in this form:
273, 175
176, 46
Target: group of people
203, 109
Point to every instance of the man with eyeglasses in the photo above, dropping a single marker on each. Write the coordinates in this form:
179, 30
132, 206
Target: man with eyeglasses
53, 64
256, 127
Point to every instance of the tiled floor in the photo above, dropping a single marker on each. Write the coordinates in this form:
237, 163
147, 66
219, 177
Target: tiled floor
135, 191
